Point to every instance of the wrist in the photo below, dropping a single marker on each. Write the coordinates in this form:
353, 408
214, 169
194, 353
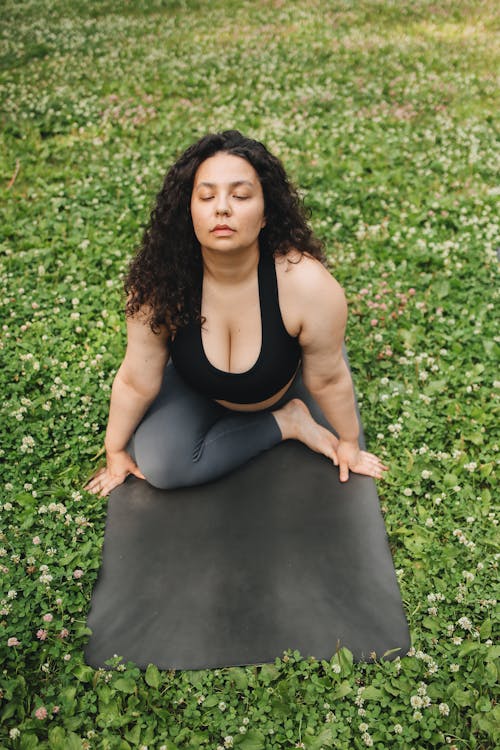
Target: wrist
349, 441
111, 449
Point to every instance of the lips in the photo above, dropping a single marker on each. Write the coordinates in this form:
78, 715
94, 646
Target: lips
222, 228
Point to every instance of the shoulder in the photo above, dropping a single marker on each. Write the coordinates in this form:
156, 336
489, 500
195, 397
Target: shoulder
139, 328
303, 278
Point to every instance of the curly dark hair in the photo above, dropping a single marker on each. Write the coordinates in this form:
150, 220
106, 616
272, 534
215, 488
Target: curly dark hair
166, 273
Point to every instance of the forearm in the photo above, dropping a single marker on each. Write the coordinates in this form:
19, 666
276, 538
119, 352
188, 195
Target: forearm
336, 399
126, 409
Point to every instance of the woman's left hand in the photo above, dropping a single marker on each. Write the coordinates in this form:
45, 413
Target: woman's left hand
351, 458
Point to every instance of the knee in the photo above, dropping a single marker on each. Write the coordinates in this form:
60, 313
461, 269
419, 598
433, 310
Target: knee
163, 471
160, 474
163, 467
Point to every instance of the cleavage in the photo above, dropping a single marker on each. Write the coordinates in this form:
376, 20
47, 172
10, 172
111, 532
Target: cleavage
231, 336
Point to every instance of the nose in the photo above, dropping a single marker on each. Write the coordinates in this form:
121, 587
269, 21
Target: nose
222, 206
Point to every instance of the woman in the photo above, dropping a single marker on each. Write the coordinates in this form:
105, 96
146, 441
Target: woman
229, 284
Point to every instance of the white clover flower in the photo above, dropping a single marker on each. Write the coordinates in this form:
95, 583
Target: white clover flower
465, 623
336, 668
12, 594
429, 522
27, 445
363, 727
454, 667
416, 701
398, 729
222, 706
426, 474
417, 716
330, 717
367, 739
444, 709
408, 492
228, 741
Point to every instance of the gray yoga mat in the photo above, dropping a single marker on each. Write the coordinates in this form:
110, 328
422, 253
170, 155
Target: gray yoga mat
277, 555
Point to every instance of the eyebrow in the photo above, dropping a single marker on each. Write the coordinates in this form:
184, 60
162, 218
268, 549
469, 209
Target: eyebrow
234, 184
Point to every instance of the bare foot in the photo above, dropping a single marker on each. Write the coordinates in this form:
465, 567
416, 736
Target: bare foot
295, 422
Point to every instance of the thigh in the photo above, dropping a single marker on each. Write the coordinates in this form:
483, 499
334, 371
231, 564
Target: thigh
170, 432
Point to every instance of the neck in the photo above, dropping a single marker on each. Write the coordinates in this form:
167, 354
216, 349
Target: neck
230, 268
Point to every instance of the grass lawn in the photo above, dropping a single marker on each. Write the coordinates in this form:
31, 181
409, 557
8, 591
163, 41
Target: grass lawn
384, 113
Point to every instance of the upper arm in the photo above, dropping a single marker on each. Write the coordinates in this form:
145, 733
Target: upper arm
323, 321
146, 355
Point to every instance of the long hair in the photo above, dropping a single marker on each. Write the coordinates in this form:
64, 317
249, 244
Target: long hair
166, 273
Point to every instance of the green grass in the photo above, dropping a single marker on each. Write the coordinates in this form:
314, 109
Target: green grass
384, 114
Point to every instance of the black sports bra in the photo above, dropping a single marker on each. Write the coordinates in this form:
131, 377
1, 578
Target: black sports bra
277, 362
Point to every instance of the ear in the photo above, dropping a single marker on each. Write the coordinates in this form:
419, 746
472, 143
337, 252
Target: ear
264, 222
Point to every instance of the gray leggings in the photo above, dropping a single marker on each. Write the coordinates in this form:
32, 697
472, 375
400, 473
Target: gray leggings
186, 438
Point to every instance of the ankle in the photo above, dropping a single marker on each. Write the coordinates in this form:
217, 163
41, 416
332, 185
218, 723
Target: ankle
286, 421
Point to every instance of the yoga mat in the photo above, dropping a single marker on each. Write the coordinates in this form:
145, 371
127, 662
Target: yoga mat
277, 555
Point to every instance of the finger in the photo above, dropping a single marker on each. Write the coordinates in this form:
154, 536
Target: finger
372, 457
335, 458
138, 473
95, 478
344, 471
111, 484
379, 465
369, 471
93, 486
106, 488
101, 485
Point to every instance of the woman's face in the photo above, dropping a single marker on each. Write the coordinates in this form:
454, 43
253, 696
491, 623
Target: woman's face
227, 204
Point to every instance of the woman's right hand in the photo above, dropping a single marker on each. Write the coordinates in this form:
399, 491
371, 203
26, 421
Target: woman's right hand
118, 466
